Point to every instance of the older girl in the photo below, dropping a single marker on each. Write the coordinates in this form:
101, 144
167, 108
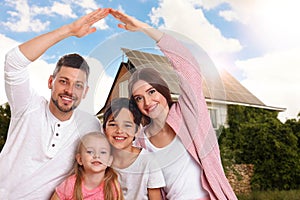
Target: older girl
139, 175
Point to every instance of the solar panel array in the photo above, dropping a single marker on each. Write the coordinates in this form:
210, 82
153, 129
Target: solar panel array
223, 88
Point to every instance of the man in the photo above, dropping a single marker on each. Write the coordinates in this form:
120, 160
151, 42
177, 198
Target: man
42, 136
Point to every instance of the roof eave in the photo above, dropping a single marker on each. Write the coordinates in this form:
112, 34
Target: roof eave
245, 104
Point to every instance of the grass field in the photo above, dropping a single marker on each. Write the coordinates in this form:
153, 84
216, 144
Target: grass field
272, 195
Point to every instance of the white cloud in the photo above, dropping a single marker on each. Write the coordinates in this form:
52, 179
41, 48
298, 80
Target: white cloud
36, 10
6, 45
267, 21
208, 4
272, 28
21, 20
276, 24
86, 4
228, 15
101, 25
121, 9
190, 21
239, 10
242, 10
99, 87
275, 79
38, 70
39, 82
57, 8
63, 10
25, 17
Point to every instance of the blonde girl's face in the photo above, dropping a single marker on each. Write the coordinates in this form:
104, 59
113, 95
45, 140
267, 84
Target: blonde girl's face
120, 129
149, 101
94, 154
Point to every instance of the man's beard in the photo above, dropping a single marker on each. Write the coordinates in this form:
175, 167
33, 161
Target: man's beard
73, 107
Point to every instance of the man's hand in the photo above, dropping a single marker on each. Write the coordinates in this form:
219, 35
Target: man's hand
35, 47
84, 25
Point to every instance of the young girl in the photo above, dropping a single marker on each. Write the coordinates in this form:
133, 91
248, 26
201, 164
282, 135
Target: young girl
92, 178
180, 133
140, 177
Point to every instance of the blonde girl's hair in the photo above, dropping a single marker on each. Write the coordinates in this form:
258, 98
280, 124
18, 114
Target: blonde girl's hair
112, 190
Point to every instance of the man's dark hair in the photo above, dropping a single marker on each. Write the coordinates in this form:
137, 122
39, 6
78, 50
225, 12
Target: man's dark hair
72, 60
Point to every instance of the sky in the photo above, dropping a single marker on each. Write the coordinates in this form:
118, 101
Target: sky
257, 41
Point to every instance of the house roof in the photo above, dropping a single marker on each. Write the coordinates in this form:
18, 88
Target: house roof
221, 88
218, 86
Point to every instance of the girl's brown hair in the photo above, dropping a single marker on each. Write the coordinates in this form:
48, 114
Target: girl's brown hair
112, 190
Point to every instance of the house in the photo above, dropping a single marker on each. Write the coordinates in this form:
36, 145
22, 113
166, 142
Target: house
219, 87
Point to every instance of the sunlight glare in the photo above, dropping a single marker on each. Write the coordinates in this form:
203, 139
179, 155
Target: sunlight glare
277, 22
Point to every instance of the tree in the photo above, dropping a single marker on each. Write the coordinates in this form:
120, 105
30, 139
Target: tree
256, 136
294, 124
4, 123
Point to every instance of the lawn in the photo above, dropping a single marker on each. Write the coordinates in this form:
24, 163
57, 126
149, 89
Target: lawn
272, 195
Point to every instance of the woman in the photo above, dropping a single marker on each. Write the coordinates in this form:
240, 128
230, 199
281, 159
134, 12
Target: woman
180, 133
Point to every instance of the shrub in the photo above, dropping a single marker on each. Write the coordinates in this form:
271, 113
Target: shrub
256, 136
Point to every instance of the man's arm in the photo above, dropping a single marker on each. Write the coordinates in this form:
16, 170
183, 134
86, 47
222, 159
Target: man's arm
17, 84
35, 47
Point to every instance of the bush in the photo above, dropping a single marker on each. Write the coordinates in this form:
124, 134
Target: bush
256, 136
4, 123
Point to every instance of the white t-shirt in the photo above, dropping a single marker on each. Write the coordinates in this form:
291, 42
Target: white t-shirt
182, 173
39, 150
143, 173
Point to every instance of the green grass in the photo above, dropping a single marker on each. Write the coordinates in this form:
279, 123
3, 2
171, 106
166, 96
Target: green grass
272, 195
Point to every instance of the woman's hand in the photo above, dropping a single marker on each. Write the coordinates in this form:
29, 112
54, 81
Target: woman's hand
129, 23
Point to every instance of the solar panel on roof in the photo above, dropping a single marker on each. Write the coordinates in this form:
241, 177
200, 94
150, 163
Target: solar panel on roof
224, 88
227, 88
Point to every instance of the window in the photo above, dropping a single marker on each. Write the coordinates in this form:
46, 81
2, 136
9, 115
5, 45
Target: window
123, 89
213, 117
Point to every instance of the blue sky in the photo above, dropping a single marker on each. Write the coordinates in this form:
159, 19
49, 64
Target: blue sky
256, 41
